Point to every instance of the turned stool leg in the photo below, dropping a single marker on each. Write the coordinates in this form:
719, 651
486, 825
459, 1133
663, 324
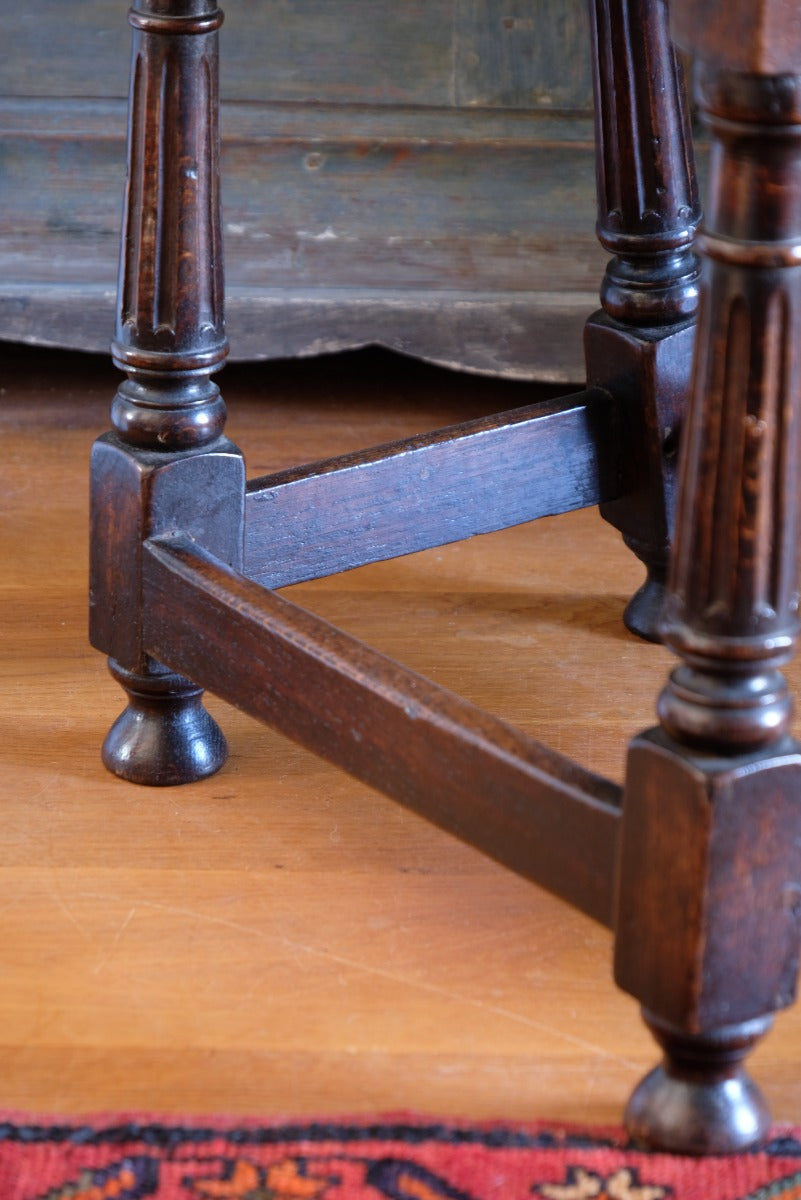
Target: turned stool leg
707, 935
161, 468
639, 347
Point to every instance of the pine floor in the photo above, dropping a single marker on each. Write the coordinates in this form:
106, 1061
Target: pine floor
279, 939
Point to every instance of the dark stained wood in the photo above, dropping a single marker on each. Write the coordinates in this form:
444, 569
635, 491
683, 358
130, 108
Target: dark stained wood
706, 932
648, 203
640, 346
732, 615
702, 1101
710, 846
523, 804
488, 474
170, 338
762, 37
170, 302
649, 375
140, 495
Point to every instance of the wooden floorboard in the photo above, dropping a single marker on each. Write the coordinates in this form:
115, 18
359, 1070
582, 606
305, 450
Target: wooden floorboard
280, 939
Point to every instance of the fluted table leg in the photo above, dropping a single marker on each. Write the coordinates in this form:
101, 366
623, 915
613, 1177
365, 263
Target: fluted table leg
707, 935
639, 346
166, 462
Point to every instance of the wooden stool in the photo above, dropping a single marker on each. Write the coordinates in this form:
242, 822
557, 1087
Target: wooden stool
695, 863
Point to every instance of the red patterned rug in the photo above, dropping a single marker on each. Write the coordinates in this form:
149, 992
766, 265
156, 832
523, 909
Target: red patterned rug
144, 1158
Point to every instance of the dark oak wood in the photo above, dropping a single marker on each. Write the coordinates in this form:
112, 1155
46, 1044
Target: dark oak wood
704, 860
648, 203
762, 38
710, 844
490, 474
640, 345
170, 338
523, 804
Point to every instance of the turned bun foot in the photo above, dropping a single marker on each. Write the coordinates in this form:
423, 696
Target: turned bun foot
165, 736
700, 1100
643, 612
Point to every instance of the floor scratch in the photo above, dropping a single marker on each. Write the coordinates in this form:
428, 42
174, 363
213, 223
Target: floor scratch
302, 948
101, 963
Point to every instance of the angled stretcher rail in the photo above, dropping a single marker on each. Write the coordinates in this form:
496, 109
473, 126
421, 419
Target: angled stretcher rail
525, 805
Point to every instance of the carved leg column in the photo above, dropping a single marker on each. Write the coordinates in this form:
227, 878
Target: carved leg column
707, 935
166, 465
639, 346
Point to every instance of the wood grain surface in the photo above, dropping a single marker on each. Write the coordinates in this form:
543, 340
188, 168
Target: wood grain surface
280, 938
418, 175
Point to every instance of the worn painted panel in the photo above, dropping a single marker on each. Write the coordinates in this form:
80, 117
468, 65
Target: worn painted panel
386, 52
394, 170
426, 216
52, 48
300, 214
330, 243
523, 54
440, 53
